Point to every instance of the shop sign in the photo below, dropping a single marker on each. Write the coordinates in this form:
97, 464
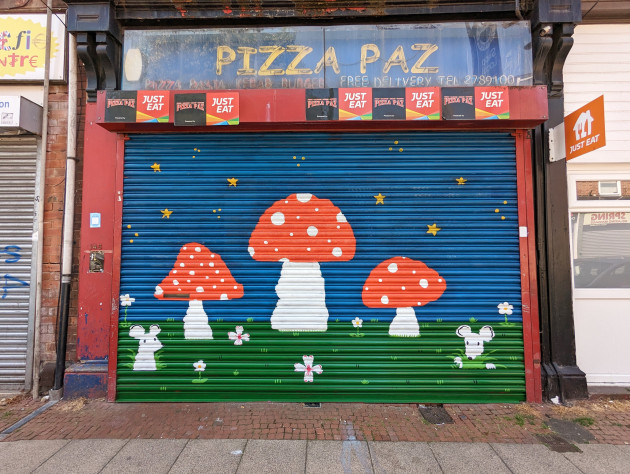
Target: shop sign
484, 54
606, 218
362, 103
23, 47
585, 129
9, 111
189, 109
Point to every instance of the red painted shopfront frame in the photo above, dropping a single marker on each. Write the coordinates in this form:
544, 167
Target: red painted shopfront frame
102, 139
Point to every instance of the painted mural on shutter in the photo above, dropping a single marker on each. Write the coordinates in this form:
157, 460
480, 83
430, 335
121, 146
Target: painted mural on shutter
380, 267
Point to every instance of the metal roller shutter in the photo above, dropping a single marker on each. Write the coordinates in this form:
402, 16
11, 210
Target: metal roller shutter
292, 244
18, 159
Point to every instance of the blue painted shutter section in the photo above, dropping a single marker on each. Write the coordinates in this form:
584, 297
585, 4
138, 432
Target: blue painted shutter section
447, 199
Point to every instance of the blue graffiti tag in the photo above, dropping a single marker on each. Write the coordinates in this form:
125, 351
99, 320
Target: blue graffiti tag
8, 278
13, 252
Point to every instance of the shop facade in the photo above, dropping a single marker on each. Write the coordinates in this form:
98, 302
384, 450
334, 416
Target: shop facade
599, 198
344, 211
23, 185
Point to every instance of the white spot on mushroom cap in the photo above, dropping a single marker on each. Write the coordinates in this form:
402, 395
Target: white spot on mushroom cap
249, 249
341, 217
414, 272
424, 283
158, 290
440, 280
211, 264
277, 218
216, 271
192, 256
175, 282
384, 299
222, 280
312, 231
182, 264
265, 242
199, 289
276, 250
290, 234
184, 248
197, 249
402, 287
392, 268
236, 287
174, 271
308, 249
187, 281
303, 197
214, 287
224, 297
366, 288
337, 252
191, 272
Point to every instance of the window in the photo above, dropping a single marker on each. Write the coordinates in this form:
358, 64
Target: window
601, 249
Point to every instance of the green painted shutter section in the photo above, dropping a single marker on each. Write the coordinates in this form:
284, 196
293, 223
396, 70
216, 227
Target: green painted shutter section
431, 214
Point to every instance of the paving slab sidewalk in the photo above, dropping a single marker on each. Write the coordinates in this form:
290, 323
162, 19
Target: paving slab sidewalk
301, 456
602, 421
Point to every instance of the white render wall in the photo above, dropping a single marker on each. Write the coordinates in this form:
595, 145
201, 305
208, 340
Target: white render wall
599, 63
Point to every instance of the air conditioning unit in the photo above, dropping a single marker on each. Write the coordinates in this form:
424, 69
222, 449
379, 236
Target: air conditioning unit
609, 188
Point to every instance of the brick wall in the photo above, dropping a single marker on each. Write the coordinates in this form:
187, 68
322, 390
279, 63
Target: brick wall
53, 219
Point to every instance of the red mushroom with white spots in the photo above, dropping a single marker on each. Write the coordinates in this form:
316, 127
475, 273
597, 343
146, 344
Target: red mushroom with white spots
300, 231
402, 283
198, 274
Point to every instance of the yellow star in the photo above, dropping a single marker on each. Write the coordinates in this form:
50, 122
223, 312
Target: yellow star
156, 167
380, 199
166, 213
433, 229
232, 181
461, 181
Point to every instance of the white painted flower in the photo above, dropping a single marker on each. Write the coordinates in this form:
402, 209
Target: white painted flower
199, 366
357, 322
238, 337
126, 300
308, 368
505, 308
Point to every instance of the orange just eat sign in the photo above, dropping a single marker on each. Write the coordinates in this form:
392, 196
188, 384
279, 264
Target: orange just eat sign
584, 129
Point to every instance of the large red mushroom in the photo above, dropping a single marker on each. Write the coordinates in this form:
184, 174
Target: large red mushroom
300, 231
402, 283
198, 274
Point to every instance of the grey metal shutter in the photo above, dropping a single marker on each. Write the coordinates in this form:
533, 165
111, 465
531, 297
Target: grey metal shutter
246, 238
18, 158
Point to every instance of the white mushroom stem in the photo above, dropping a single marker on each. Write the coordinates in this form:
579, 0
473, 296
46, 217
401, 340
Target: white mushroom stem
301, 298
196, 322
405, 323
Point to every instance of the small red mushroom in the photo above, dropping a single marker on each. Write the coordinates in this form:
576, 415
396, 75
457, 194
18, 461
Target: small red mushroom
198, 274
300, 231
402, 283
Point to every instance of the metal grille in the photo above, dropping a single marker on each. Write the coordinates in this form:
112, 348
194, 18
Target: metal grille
446, 201
18, 156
